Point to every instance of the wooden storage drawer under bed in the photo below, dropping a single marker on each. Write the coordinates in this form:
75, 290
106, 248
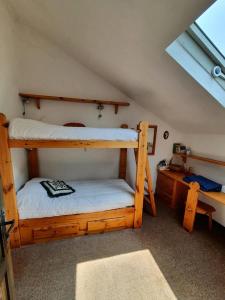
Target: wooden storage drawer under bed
106, 225
55, 230
46, 229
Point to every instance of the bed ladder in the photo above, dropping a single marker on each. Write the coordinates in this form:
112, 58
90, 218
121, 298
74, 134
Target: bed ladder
149, 197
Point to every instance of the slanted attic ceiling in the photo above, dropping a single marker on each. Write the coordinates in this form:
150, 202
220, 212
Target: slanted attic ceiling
124, 42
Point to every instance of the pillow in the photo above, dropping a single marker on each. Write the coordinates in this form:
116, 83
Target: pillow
56, 188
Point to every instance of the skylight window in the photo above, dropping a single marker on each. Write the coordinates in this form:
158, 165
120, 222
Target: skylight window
212, 23
200, 50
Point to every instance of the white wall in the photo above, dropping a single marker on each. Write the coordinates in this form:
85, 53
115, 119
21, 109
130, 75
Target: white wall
10, 103
212, 146
45, 68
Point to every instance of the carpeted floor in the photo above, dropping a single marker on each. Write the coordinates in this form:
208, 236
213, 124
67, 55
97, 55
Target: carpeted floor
160, 261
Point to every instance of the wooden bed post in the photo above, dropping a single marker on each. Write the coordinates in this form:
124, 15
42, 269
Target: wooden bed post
140, 173
9, 193
33, 165
123, 159
191, 205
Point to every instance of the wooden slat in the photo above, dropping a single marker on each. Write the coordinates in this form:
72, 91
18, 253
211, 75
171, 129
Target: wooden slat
202, 158
30, 144
150, 188
140, 173
33, 166
148, 179
9, 193
191, 205
74, 99
123, 159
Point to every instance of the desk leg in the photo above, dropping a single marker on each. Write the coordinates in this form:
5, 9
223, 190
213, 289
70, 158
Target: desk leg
191, 205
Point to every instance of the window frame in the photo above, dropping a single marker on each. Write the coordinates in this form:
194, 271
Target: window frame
199, 36
194, 52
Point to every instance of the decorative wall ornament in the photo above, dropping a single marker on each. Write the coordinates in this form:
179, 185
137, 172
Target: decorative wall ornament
166, 135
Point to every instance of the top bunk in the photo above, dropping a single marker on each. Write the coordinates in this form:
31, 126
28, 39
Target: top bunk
26, 133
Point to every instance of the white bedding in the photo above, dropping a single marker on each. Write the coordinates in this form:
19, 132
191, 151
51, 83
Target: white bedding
90, 196
26, 129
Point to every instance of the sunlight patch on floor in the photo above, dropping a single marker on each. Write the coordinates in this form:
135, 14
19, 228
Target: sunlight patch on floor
132, 276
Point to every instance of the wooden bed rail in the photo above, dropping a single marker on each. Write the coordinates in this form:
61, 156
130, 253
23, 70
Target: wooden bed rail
97, 144
6, 172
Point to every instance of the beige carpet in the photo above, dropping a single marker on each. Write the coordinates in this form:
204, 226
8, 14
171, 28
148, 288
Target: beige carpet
128, 276
157, 262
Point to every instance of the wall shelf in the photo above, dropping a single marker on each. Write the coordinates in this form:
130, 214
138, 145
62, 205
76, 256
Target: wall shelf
201, 158
39, 98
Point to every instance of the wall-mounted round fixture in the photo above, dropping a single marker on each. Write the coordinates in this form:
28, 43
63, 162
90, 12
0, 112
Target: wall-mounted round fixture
166, 135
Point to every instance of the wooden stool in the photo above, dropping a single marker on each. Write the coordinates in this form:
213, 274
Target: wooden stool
205, 209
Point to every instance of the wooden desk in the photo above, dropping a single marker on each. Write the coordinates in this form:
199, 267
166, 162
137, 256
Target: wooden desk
170, 185
171, 188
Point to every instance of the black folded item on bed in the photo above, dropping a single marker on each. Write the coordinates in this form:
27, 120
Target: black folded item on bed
57, 188
206, 184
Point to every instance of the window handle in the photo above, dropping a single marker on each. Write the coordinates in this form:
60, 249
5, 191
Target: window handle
217, 72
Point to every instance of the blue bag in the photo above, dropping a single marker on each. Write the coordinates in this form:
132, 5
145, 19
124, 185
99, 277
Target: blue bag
206, 184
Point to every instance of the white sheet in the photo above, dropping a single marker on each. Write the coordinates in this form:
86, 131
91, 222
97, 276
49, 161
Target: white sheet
90, 196
35, 130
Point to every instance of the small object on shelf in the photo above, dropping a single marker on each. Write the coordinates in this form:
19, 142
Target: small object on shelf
179, 148
175, 167
182, 149
163, 165
188, 151
176, 148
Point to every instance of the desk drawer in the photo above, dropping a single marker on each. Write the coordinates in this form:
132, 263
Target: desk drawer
164, 185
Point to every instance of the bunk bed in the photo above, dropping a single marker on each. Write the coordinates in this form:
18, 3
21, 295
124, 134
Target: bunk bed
95, 207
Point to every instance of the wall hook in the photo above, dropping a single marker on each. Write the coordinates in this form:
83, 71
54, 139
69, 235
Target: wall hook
25, 101
100, 107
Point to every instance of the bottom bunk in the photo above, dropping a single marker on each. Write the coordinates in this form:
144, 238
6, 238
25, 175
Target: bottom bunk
94, 206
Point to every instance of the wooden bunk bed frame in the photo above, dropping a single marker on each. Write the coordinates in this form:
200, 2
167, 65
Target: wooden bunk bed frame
30, 231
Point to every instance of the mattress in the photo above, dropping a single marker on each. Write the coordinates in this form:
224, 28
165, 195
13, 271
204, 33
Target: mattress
90, 196
26, 129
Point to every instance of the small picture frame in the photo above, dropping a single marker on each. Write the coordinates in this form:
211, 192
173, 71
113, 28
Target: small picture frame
152, 133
